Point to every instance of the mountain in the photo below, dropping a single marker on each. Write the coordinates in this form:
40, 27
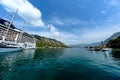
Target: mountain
85, 45
106, 41
114, 43
95, 44
114, 36
79, 45
43, 42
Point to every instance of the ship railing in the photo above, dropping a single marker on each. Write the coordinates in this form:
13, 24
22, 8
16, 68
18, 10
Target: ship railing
18, 30
10, 43
3, 25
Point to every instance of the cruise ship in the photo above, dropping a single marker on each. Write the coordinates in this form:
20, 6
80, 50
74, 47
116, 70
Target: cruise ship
14, 39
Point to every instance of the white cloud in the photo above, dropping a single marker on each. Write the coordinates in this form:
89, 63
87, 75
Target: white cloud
100, 33
70, 21
88, 35
25, 10
65, 37
54, 31
103, 11
33, 16
57, 21
113, 2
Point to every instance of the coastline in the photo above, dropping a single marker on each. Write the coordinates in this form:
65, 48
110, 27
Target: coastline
50, 47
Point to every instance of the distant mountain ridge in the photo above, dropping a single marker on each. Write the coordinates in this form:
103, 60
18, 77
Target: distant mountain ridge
106, 41
43, 42
95, 44
79, 45
114, 36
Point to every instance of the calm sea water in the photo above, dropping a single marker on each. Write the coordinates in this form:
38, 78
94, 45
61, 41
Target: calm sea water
60, 64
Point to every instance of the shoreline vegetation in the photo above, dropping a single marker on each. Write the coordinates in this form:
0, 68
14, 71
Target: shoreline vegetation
112, 42
50, 47
43, 42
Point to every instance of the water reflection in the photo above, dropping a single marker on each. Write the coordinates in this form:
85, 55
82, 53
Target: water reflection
48, 53
106, 53
59, 64
116, 54
9, 62
12, 64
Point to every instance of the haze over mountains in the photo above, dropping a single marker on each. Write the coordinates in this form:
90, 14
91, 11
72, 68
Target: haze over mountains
114, 36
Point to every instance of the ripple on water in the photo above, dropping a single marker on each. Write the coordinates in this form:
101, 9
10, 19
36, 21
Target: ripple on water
59, 64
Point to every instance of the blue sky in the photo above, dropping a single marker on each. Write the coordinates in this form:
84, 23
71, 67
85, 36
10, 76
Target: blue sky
69, 21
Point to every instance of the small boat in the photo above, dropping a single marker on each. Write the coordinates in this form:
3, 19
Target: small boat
104, 48
93, 48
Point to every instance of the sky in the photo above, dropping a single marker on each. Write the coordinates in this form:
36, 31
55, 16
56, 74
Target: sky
69, 21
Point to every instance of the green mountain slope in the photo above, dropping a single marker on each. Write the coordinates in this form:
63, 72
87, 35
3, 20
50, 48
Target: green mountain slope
43, 42
114, 43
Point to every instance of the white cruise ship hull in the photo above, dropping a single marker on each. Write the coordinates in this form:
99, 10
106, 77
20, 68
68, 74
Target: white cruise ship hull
12, 49
27, 45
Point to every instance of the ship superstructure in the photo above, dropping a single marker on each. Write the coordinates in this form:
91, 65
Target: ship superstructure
15, 37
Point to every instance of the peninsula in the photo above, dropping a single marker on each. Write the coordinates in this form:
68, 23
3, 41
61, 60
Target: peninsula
43, 42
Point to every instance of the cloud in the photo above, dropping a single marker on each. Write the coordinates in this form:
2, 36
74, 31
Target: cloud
54, 31
90, 32
103, 11
57, 21
101, 33
63, 36
33, 16
113, 2
78, 31
25, 10
70, 21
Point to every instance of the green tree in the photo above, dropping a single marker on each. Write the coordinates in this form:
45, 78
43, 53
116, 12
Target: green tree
114, 43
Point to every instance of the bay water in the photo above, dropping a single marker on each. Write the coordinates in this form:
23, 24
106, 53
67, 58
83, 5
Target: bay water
60, 64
